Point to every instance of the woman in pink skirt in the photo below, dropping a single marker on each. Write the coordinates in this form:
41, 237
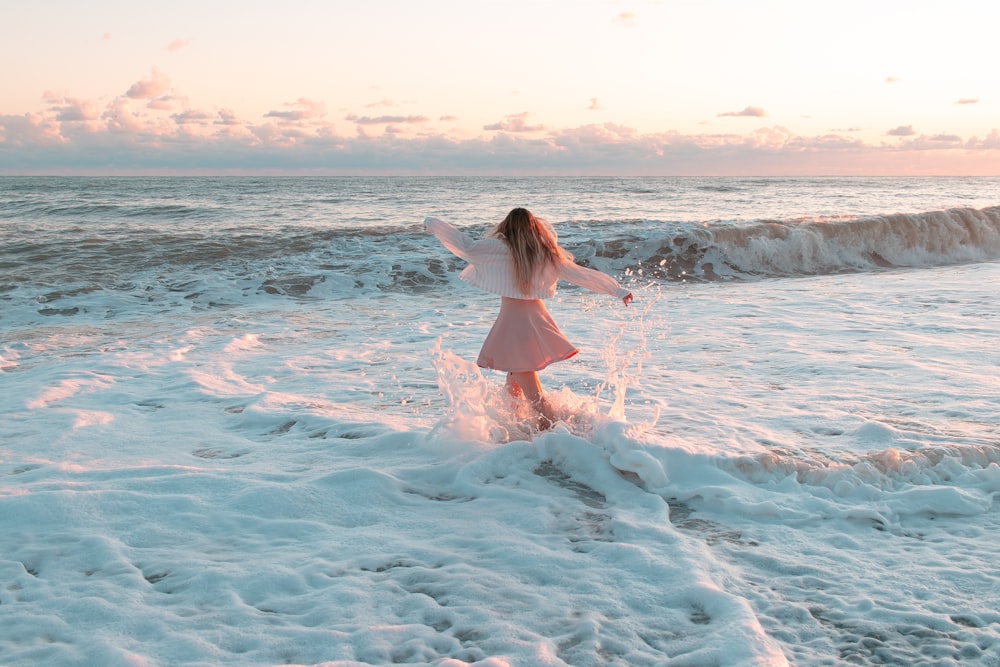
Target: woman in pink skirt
521, 261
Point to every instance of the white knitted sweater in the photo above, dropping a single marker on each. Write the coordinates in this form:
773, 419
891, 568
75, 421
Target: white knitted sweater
491, 267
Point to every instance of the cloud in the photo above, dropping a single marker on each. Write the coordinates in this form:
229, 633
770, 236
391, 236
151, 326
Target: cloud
384, 102
120, 118
70, 135
30, 131
968, 100
448, 118
305, 109
626, 19
901, 131
514, 123
891, 79
751, 112
68, 109
34, 144
991, 142
106, 36
227, 117
177, 45
595, 104
384, 120
157, 84
934, 142
193, 116
163, 103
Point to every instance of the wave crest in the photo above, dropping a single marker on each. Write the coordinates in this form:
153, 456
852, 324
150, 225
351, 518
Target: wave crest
813, 246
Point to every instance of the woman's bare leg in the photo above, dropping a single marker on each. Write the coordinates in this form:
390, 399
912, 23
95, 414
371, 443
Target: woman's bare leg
513, 388
529, 383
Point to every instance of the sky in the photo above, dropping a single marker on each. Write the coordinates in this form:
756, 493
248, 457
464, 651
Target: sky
519, 87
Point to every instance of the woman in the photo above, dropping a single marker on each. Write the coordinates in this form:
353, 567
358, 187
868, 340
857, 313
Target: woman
521, 261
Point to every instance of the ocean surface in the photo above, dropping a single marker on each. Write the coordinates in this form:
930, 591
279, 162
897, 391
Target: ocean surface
240, 424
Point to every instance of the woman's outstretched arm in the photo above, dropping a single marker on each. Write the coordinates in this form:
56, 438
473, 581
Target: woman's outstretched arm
593, 280
450, 237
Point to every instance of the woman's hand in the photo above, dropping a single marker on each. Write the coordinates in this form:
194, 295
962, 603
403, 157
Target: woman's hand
627, 299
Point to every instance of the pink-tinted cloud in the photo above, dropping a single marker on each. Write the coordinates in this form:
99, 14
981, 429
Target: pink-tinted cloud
902, 131
193, 116
595, 104
385, 120
30, 130
227, 117
991, 142
134, 124
177, 45
157, 84
128, 136
605, 133
826, 143
303, 109
276, 147
891, 79
751, 112
514, 123
968, 100
70, 109
164, 103
934, 142
448, 119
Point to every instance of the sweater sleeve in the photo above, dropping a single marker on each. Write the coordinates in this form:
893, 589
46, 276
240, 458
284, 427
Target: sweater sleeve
590, 279
450, 237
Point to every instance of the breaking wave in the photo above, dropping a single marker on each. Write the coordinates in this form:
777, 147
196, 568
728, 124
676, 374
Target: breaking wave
812, 247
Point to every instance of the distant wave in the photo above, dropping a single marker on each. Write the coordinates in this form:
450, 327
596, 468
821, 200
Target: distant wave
813, 246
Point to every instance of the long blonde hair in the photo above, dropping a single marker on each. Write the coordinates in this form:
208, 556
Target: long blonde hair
531, 245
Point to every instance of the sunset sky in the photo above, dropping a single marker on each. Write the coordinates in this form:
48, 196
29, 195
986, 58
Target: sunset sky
602, 87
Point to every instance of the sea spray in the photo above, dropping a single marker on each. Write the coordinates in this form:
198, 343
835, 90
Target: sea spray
481, 410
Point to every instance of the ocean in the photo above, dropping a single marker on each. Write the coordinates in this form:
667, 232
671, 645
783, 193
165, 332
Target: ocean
241, 424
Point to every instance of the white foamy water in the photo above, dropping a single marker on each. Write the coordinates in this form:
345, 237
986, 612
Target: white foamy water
240, 425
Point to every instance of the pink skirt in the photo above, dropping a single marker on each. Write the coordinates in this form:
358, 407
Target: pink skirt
524, 338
